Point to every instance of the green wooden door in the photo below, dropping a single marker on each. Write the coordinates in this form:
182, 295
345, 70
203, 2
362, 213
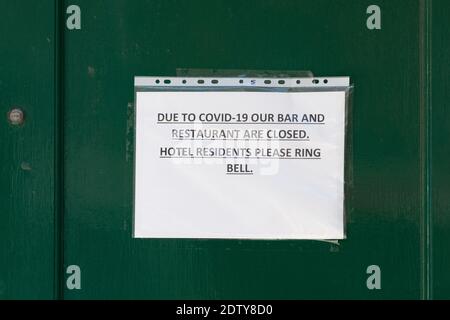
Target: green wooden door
397, 215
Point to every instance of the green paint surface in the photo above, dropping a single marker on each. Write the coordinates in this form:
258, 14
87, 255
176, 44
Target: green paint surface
27, 154
399, 172
440, 164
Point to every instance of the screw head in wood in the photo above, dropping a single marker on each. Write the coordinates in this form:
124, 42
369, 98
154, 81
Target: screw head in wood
16, 117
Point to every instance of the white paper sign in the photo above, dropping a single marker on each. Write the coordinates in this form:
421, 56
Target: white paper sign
240, 165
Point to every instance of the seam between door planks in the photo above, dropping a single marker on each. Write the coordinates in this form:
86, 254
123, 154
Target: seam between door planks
425, 38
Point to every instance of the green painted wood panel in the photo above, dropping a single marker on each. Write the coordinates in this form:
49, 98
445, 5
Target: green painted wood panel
440, 165
387, 205
27, 157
